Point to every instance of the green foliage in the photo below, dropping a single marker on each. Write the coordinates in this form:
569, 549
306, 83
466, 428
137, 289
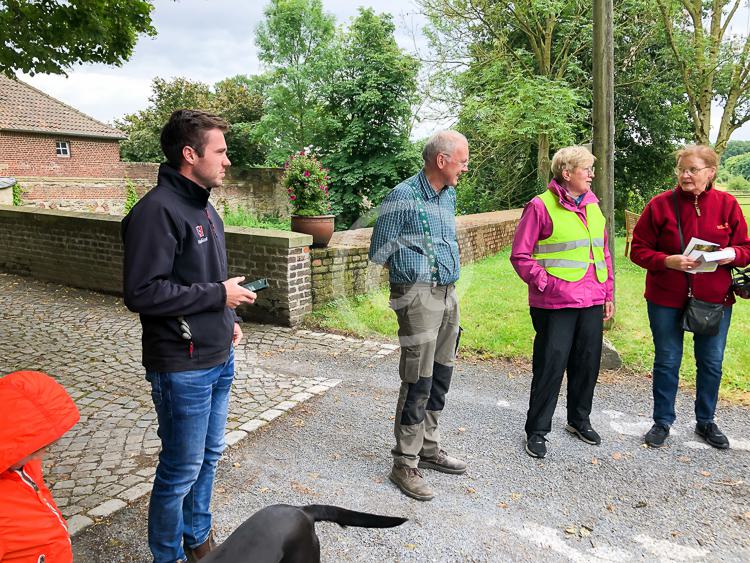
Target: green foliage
49, 37
738, 183
18, 192
131, 196
739, 165
293, 42
650, 107
306, 182
512, 71
502, 116
735, 148
367, 116
236, 99
243, 217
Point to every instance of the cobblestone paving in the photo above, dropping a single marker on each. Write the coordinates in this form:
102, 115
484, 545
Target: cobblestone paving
91, 344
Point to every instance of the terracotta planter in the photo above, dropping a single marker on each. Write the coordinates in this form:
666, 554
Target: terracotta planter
319, 226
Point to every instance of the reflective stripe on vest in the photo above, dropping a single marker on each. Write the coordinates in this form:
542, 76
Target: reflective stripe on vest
567, 252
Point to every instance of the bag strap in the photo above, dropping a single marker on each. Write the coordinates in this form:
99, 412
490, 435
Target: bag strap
682, 245
424, 221
682, 240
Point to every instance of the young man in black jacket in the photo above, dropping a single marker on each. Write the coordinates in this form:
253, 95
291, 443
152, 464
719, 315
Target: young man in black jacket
175, 276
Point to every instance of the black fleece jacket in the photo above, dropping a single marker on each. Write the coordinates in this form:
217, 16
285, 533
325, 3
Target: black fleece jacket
175, 261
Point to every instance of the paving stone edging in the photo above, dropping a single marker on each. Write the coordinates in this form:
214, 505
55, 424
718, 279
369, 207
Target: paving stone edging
79, 522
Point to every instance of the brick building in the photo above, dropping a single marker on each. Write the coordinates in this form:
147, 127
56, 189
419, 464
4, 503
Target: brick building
43, 137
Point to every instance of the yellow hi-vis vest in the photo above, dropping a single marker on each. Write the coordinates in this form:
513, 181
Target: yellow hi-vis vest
567, 253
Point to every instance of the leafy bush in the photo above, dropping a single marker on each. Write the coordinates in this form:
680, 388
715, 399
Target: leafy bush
131, 196
739, 165
18, 192
243, 217
306, 182
738, 183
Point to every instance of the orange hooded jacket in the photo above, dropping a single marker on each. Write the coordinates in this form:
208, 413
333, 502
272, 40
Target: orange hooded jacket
35, 411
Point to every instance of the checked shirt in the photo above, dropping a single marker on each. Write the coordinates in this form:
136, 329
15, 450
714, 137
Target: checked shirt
398, 238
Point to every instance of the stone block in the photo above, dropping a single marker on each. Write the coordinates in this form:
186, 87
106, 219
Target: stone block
107, 508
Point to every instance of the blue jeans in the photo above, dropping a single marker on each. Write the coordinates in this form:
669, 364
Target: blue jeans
666, 329
192, 410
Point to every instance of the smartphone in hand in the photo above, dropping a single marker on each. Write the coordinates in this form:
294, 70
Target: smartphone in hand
257, 285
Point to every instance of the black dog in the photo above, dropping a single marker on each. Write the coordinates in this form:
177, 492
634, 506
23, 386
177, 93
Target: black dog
286, 534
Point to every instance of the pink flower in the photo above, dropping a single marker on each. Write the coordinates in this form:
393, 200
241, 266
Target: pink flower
292, 197
306, 174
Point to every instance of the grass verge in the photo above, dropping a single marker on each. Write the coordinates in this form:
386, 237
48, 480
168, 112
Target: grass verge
495, 318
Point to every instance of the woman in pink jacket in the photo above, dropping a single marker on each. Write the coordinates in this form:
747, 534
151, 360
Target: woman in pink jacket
560, 250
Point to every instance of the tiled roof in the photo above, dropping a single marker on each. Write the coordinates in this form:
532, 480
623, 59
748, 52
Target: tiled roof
24, 108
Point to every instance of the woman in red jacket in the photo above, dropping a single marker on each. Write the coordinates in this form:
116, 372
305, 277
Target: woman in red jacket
710, 215
35, 411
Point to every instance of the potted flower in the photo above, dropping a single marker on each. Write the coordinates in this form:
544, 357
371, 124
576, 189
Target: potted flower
306, 183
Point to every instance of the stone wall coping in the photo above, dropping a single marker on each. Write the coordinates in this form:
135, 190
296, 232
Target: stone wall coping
52, 214
272, 237
355, 240
267, 237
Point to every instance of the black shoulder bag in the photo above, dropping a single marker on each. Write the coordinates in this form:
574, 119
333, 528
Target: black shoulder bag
699, 317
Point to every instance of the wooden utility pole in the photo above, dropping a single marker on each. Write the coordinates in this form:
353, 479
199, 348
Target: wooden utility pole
604, 112
604, 115
604, 118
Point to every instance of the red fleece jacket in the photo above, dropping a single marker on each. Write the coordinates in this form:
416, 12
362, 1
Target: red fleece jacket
655, 237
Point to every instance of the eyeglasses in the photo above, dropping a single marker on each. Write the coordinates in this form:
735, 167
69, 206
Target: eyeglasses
590, 169
691, 171
449, 157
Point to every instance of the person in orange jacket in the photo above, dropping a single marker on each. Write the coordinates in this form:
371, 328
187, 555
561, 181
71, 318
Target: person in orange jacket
35, 411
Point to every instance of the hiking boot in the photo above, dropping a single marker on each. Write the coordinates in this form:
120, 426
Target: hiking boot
656, 436
443, 463
197, 553
535, 446
411, 482
712, 435
585, 433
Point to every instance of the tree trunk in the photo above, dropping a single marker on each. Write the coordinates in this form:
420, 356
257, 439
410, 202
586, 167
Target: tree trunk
542, 159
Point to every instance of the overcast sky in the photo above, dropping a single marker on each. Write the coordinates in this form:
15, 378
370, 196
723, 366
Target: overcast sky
207, 41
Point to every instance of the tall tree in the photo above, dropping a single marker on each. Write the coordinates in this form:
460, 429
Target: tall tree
714, 66
51, 36
235, 99
293, 42
535, 41
367, 112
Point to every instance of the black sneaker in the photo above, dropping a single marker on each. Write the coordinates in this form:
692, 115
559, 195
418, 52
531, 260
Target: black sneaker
656, 436
585, 432
712, 435
535, 446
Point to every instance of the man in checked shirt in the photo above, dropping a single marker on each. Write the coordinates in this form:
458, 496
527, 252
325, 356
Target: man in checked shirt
415, 238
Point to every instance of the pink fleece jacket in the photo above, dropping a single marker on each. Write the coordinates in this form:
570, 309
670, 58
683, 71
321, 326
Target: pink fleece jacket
547, 291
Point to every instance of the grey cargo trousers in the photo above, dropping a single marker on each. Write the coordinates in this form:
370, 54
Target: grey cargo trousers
428, 332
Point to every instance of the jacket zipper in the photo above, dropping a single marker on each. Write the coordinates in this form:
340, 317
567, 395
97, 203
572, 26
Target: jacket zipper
697, 209
30, 482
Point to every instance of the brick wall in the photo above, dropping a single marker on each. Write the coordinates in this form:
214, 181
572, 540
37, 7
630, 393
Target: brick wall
257, 189
33, 154
84, 250
343, 270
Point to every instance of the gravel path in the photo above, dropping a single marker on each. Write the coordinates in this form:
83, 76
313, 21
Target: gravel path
616, 502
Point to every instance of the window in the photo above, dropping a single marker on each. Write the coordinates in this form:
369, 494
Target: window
62, 149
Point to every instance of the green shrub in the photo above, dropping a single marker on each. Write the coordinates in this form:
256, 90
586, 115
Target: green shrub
18, 192
243, 217
738, 183
131, 196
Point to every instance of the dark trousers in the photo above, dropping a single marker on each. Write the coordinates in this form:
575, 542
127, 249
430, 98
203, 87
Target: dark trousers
566, 339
